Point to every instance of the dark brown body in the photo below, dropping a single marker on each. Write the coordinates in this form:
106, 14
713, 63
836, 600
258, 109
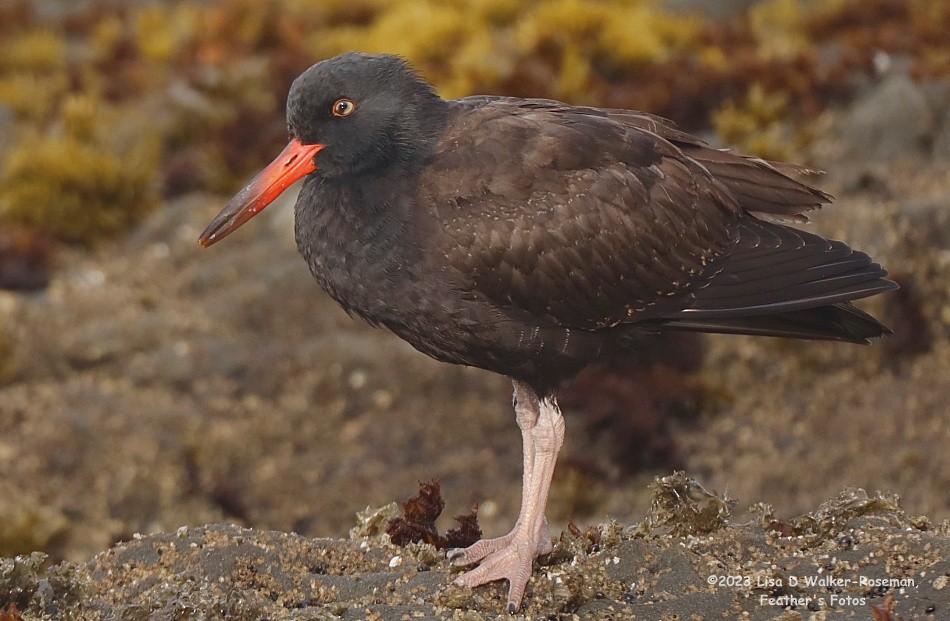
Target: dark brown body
531, 238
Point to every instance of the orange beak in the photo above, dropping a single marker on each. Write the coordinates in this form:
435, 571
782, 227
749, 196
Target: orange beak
294, 162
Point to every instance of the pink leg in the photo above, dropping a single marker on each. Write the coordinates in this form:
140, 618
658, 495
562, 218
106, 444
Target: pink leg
512, 556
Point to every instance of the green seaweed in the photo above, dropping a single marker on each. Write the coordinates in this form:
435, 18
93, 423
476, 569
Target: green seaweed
755, 125
163, 33
36, 50
833, 515
31, 96
26, 525
72, 189
479, 47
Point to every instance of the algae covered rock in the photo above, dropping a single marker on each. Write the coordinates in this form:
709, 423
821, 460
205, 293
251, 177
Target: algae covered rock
865, 553
75, 191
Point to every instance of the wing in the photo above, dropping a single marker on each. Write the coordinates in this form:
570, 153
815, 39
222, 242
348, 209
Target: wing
762, 188
573, 218
780, 281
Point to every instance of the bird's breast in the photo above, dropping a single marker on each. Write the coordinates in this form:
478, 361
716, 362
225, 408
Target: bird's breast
364, 253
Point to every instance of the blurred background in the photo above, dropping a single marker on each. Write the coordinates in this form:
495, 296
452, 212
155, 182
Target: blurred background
146, 383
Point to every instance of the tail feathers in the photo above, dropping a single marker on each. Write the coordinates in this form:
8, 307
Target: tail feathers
775, 269
839, 322
780, 281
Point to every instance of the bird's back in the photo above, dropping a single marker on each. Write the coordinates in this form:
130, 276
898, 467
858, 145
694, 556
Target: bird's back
570, 229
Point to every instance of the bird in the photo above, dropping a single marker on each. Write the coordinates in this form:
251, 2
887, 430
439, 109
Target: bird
533, 238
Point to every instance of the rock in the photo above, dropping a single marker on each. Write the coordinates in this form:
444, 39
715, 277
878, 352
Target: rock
716, 9
18, 582
858, 548
930, 218
7, 122
25, 258
937, 93
941, 141
893, 119
941, 148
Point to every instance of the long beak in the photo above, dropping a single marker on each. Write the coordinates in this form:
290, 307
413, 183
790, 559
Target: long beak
294, 162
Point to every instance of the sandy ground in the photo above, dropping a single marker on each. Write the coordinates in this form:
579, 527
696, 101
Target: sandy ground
155, 385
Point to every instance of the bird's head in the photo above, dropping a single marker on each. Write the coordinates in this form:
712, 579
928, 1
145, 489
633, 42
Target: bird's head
351, 115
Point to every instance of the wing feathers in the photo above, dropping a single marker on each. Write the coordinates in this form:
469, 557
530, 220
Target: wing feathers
759, 186
802, 271
600, 218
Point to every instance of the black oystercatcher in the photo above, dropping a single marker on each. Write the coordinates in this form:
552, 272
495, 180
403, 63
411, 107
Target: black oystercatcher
531, 238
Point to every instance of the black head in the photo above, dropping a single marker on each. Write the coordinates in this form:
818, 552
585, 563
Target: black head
352, 115
368, 111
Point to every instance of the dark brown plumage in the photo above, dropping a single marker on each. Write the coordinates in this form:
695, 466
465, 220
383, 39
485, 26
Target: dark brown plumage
532, 238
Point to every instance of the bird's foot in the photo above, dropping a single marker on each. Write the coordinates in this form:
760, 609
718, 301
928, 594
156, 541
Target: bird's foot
510, 557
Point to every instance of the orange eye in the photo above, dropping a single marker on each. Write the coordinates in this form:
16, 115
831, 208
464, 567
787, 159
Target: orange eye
343, 107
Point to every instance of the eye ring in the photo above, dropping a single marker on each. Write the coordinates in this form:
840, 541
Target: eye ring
343, 107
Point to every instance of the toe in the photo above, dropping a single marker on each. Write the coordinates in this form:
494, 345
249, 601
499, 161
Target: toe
472, 554
513, 563
517, 583
484, 573
477, 551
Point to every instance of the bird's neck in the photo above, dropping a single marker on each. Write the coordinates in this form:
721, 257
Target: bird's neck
357, 228
358, 206
357, 235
